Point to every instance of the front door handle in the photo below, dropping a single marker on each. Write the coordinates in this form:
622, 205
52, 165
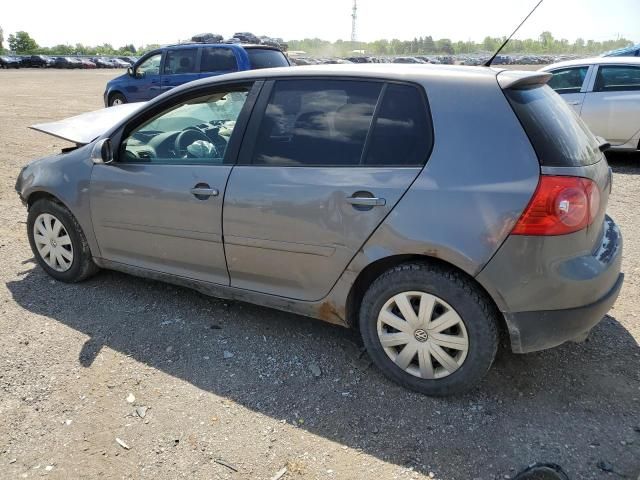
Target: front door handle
573, 103
202, 191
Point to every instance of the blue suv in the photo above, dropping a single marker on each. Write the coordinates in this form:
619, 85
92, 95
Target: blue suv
166, 68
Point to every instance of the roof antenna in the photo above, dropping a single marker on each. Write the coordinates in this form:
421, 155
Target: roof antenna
488, 62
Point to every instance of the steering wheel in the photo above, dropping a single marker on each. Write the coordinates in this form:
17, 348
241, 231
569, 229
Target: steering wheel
186, 137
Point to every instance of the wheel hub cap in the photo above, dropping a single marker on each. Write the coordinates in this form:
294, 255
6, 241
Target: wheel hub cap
53, 242
422, 334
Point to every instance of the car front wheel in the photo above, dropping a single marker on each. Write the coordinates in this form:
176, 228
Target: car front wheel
116, 99
58, 243
429, 328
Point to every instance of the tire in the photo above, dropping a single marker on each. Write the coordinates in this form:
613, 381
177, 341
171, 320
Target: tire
80, 265
116, 99
474, 336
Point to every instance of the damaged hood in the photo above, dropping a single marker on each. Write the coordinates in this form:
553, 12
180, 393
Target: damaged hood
85, 128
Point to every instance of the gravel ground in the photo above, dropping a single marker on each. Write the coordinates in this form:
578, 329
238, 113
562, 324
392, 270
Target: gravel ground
195, 387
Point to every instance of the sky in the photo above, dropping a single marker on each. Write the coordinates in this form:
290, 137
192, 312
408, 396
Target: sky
121, 22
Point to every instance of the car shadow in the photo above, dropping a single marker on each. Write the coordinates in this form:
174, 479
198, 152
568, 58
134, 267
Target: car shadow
624, 162
527, 408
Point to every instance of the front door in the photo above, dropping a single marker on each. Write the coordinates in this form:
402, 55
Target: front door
611, 109
145, 83
159, 205
571, 84
180, 66
323, 163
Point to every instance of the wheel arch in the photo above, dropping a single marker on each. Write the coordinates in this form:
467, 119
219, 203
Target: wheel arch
43, 194
376, 268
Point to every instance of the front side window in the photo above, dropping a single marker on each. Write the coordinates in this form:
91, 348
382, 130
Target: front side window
180, 61
616, 78
218, 59
151, 66
194, 131
316, 123
568, 80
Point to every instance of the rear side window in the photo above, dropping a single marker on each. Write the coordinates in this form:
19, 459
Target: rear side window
617, 78
180, 61
401, 133
266, 58
218, 59
558, 136
568, 80
316, 123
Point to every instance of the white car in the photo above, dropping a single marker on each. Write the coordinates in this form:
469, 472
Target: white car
605, 93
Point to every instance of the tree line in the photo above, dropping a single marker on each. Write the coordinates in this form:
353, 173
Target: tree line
544, 44
22, 43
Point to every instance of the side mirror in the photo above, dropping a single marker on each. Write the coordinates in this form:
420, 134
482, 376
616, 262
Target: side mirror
102, 152
130, 71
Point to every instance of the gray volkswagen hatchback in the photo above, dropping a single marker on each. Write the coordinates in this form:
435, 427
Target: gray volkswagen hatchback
433, 208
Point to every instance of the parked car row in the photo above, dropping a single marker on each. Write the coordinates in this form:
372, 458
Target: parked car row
301, 58
45, 61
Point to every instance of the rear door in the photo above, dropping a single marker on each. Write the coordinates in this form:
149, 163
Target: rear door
571, 83
180, 66
323, 162
612, 109
217, 60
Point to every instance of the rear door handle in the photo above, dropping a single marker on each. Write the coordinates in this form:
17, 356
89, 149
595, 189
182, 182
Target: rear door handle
367, 201
203, 191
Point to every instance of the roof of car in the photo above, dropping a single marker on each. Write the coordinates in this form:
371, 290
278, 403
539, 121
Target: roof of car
392, 71
218, 44
595, 61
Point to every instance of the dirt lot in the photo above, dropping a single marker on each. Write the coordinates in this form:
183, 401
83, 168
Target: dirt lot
230, 390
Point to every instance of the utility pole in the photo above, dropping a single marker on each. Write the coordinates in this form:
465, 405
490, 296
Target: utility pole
354, 16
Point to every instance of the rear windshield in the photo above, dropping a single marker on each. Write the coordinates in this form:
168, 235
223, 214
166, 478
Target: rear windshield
266, 58
558, 136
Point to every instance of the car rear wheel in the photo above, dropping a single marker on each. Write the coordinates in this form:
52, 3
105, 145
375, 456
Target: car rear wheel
58, 243
429, 328
116, 99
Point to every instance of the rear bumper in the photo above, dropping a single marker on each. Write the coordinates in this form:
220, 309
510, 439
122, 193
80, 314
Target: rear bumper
532, 331
548, 291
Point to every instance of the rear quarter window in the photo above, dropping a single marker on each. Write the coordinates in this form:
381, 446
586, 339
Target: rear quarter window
266, 58
558, 136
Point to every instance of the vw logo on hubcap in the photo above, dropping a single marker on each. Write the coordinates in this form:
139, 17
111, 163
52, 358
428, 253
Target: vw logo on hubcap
421, 335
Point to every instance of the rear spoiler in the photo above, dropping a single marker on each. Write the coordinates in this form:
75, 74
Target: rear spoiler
517, 79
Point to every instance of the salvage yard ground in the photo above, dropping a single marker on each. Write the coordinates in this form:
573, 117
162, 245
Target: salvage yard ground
242, 392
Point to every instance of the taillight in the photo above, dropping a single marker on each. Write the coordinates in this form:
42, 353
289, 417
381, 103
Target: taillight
560, 205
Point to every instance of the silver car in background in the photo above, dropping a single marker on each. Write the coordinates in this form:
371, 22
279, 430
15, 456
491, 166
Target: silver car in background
435, 209
605, 93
